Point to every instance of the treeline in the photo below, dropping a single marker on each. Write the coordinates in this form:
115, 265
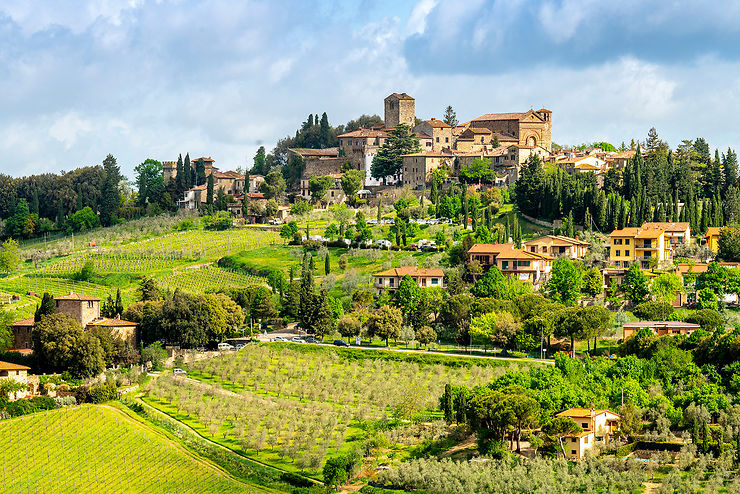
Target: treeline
37, 204
656, 185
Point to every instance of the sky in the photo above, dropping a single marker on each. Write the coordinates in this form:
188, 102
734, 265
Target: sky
154, 78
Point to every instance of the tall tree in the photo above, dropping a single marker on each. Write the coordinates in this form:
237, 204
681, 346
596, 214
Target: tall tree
110, 199
259, 162
389, 158
187, 171
209, 191
180, 180
200, 172
450, 117
324, 131
565, 282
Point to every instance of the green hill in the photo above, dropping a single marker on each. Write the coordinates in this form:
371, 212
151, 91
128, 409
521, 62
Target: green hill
100, 449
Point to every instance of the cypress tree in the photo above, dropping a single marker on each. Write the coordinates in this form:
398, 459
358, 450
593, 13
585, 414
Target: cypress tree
506, 230
587, 220
209, 191
200, 172
675, 215
187, 171
622, 222
695, 432
380, 210
119, 302
180, 176
729, 164
704, 223
705, 439
324, 134
327, 266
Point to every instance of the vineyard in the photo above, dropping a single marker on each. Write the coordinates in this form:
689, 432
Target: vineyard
291, 409
98, 449
113, 262
207, 279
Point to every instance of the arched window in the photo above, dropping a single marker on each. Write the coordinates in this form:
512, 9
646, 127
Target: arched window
531, 141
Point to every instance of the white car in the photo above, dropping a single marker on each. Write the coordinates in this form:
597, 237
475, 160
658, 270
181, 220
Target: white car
279, 338
224, 347
179, 372
296, 339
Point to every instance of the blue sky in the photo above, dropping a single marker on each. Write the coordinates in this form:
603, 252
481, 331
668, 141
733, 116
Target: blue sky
140, 79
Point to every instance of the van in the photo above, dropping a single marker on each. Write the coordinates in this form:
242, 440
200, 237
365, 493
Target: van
224, 346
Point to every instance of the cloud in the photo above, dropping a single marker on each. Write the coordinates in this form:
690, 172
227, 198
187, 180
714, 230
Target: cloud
492, 36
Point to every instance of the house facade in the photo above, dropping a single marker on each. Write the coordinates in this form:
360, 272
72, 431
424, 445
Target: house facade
649, 243
17, 373
440, 132
598, 428
526, 266
388, 281
558, 245
418, 167
711, 238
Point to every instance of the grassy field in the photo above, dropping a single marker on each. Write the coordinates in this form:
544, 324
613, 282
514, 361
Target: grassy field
290, 406
99, 449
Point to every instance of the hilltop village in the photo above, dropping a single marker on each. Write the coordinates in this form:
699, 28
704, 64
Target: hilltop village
383, 304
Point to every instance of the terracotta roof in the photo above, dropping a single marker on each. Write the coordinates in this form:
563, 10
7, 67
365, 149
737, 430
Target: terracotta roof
315, 152
10, 366
412, 271
558, 240
629, 231
506, 251
624, 154
649, 233
422, 135
399, 96
701, 267
432, 154
661, 324
439, 124
543, 110
499, 116
25, 322
254, 195
111, 322
583, 412
207, 160
667, 226
713, 231
587, 432
76, 296
229, 174
365, 133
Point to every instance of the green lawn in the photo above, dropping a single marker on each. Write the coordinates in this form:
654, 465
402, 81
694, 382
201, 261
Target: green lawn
99, 449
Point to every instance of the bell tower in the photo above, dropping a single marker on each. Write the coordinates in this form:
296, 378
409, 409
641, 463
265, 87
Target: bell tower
399, 109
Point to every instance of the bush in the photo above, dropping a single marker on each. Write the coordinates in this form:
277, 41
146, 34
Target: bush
155, 354
24, 407
65, 401
98, 393
340, 469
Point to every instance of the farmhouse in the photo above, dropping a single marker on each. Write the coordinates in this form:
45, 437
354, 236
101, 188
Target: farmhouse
599, 427
17, 373
83, 308
389, 280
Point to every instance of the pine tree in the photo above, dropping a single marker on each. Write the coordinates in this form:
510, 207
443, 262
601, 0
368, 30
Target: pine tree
729, 163
450, 117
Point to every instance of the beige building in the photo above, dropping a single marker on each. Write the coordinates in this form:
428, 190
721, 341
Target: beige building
558, 245
17, 373
231, 182
22, 333
583, 164
82, 307
399, 109
506, 161
619, 160
389, 280
334, 195
599, 428
123, 330
532, 128
254, 183
439, 131
417, 167
526, 266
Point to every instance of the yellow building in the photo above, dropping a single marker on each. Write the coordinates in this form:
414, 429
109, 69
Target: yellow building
711, 238
599, 427
651, 242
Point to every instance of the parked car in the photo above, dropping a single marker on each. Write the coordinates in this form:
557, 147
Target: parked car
224, 347
296, 339
276, 221
279, 338
179, 372
311, 339
239, 346
340, 343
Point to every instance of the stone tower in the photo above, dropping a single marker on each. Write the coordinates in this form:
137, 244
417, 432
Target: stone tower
399, 109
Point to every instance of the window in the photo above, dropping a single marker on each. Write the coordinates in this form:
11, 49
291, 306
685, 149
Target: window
437, 139
447, 139
617, 241
523, 263
585, 440
504, 264
626, 241
618, 253
626, 253
435, 281
584, 425
390, 281
90, 304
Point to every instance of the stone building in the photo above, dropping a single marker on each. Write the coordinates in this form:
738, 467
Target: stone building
19, 374
399, 109
532, 128
439, 131
417, 167
86, 311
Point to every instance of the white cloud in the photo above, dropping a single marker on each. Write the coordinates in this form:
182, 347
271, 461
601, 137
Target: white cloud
68, 128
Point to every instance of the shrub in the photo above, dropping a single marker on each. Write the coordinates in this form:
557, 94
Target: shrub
65, 401
653, 311
98, 393
340, 469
